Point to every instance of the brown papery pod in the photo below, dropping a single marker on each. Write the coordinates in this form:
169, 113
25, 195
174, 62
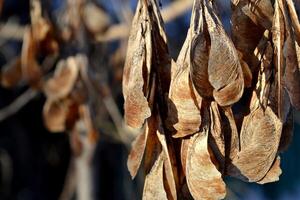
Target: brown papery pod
261, 128
199, 52
154, 184
224, 69
278, 42
30, 68
139, 146
170, 169
11, 73
63, 80
291, 75
246, 33
216, 138
294, 19
55, 115
273, 174
260, 136
185, 103
203, 179
142, 59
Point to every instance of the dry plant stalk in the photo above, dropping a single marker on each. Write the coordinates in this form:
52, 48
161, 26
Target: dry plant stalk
191, 137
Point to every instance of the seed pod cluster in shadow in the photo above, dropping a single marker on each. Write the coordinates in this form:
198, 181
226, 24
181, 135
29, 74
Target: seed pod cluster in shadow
223, 108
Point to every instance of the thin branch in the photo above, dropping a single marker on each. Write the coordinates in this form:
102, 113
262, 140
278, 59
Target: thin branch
17, 104
121, 31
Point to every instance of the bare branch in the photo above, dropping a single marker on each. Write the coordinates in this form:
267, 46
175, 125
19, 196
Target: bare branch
19, 103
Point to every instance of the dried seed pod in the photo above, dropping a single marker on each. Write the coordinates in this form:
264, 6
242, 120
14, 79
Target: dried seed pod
199, 52
30, 68
203, 179
216, 138
55, 115
291, 72
255, 158
63, 81
139, 145
224, 69
154, 187
184, 104
169, 174
245, 32
11, 73
273, 174
142, 59
294, 19
95, 19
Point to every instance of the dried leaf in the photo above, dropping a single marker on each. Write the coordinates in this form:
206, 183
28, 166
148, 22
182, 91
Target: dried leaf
63, 80
204, 180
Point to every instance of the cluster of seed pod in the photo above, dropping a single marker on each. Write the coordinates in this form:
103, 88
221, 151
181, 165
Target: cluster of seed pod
224, 108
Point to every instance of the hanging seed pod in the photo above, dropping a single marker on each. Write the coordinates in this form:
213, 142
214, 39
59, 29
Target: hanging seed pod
249, 21
185, 103
11, 73
199, 52
143, 60
204, 180
224, 69
273, 174
63, 80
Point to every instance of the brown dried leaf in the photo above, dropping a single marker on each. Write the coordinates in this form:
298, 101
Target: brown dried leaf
204, 180
273, 174
224, 69
63, 80
11, 73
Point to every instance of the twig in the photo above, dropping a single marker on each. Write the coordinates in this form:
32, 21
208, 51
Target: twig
121, 31
12, 31
70, 182
17, 104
